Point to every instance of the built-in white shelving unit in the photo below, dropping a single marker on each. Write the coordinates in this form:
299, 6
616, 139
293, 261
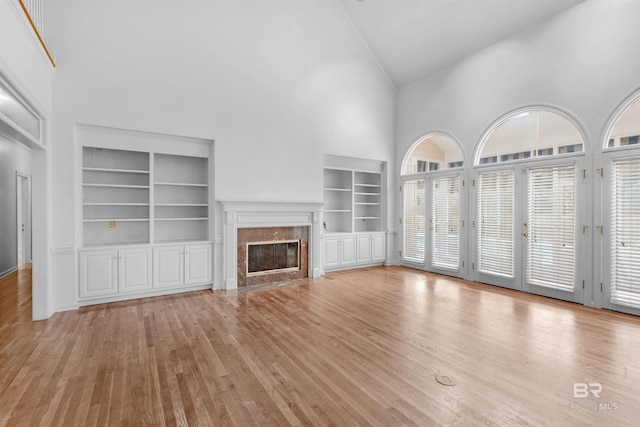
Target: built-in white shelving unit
353, 225
146, 224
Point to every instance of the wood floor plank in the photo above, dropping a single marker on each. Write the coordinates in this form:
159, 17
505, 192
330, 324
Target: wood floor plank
358, 347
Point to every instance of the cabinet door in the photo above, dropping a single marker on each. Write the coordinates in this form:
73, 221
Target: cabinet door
331, 252
98, 273
378, 248
134, 270
364, 248
168, 266
348, 250
197, 260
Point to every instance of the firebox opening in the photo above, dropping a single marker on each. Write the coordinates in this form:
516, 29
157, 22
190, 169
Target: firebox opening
273, 257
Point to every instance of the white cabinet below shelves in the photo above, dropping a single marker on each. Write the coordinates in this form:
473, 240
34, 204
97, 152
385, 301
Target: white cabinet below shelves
168, 270
134, 270
348, 250
342, 251
364, 248
182, 265
378, 248
98, 273
331, 248
197, 265
122, 273
112, 271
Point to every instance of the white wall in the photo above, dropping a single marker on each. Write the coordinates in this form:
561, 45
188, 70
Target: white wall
22, 58
25, 64
584, 61
276, 84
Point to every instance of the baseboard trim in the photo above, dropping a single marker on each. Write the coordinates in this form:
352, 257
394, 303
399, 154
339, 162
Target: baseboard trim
7, 272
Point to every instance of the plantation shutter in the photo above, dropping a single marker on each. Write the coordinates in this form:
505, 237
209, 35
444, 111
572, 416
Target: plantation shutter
551, 227
495, 212
413, 220
625, 235
446, 215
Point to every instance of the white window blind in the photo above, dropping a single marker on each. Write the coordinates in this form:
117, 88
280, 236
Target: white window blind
495, 212
625, 234
413, 220
446, 219
551, 227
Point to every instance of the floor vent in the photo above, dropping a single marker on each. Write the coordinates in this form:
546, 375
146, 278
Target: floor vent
446, 380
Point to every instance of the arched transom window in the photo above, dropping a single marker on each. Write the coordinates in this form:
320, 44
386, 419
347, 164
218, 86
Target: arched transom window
626, 130
528, 135
433, 153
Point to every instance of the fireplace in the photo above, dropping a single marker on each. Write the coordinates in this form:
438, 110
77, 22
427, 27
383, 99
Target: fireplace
272, 254
270, 226
273, 257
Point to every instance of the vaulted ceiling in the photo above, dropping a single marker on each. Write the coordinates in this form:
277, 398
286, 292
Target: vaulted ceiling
413, 38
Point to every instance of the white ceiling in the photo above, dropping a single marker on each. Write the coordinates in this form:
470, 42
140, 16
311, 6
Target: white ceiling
413, 38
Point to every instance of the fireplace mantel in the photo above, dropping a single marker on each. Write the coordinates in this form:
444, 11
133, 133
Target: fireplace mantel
268, 214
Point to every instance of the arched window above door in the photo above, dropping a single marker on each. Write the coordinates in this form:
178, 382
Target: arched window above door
529, 134
626, 129
433, 153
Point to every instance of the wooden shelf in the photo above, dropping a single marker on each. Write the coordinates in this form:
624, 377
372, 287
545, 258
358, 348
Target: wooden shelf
109, 170
115, 204
146, 187
198, 205
181, 219
180, 184
116, 219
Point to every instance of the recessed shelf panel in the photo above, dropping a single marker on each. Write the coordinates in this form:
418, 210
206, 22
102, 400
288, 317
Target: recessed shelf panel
123, 160
129, 232
175, 170
116, 212
180, 230
177, 184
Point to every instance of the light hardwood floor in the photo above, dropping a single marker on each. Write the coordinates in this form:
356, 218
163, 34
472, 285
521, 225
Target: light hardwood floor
360, 347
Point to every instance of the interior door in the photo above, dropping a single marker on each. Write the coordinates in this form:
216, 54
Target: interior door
23, 216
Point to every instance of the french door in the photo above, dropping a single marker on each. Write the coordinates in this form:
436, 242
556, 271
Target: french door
621, 233
529, 229
432, 223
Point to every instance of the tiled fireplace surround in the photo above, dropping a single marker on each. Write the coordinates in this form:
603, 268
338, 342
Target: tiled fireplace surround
266, 221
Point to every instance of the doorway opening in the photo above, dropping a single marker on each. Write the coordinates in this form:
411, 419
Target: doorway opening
23, 219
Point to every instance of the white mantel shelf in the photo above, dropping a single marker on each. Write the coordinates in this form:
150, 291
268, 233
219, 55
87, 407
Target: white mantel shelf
238, 214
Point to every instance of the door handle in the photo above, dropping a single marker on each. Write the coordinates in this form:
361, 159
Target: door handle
525, 234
